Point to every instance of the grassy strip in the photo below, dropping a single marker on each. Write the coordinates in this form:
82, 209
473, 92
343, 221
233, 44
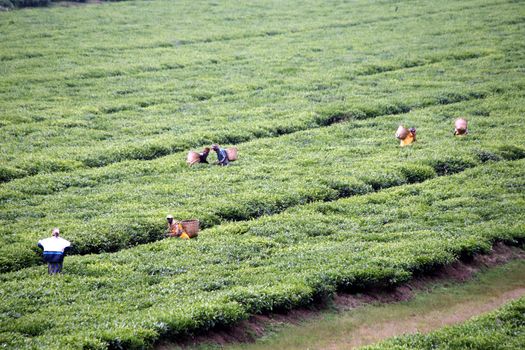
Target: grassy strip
74, 110
120, 206
160, 290
439, 304
501, 329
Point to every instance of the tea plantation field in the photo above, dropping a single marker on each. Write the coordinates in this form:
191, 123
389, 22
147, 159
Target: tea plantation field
167, 288
100, 103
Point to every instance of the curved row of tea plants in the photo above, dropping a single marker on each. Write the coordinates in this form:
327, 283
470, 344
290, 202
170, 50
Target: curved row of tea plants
133, 297
115, 207
501, 329
10, 4
150, 82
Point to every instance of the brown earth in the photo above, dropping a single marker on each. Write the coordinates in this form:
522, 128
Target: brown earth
424, 323
249, 330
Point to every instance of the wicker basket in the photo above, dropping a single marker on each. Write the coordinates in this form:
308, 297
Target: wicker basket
232, 153
401, 132
193, 157
461, 124
191, 227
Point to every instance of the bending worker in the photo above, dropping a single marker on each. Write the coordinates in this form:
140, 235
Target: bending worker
407, 136
222, 155
54, 249
175, 228
460, 127
204, 155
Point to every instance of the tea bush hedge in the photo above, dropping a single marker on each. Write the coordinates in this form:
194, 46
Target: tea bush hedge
99, 105
107, 209
173, 287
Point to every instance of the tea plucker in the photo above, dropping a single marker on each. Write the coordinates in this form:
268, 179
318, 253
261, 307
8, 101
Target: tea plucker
201, 157
406, 136
175, 228
204, 155
460, 127
222, 155
54, 248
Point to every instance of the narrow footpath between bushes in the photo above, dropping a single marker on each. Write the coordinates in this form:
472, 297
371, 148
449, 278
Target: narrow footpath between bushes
448, 296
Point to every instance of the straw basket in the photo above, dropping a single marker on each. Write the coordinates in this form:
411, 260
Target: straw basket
191, 227
193, 157
401, 132
232, 153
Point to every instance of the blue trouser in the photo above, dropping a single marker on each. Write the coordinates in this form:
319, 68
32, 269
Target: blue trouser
54, 262
54, 268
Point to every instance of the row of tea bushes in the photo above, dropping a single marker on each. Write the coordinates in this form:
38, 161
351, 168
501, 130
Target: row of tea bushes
110, 97
164, 289
111, 208
10, 4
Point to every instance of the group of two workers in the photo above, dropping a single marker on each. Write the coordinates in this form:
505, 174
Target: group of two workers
222, 155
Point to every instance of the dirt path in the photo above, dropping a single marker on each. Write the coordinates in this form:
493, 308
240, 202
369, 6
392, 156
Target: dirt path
448, 296
424, 323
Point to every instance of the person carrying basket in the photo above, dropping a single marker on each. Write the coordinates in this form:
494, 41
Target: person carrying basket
175, 228
222, 155
406, 136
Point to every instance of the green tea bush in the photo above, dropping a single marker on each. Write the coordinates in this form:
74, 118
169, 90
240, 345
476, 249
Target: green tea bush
486, 156
95, 127
8, 173
417, 173
511, 152
451, 165
173, 287
104, 121
30, 3
118, 206
139, 194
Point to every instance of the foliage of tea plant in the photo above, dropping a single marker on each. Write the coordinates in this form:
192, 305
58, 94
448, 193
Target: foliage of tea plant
164, 289
95, 124
149, 82
99, 105
110, 208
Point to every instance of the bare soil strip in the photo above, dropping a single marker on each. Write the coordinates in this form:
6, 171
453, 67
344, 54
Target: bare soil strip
385, 326
424, 323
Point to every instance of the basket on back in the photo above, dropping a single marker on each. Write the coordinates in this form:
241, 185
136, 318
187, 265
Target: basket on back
402, 132
461, 126
191, 227
232, 153
193, 157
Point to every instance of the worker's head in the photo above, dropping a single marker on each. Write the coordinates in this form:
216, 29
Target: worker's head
169, 218
206, 150
215, 147
55, 232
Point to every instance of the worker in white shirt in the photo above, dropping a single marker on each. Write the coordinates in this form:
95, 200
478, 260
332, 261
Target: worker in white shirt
54, 249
